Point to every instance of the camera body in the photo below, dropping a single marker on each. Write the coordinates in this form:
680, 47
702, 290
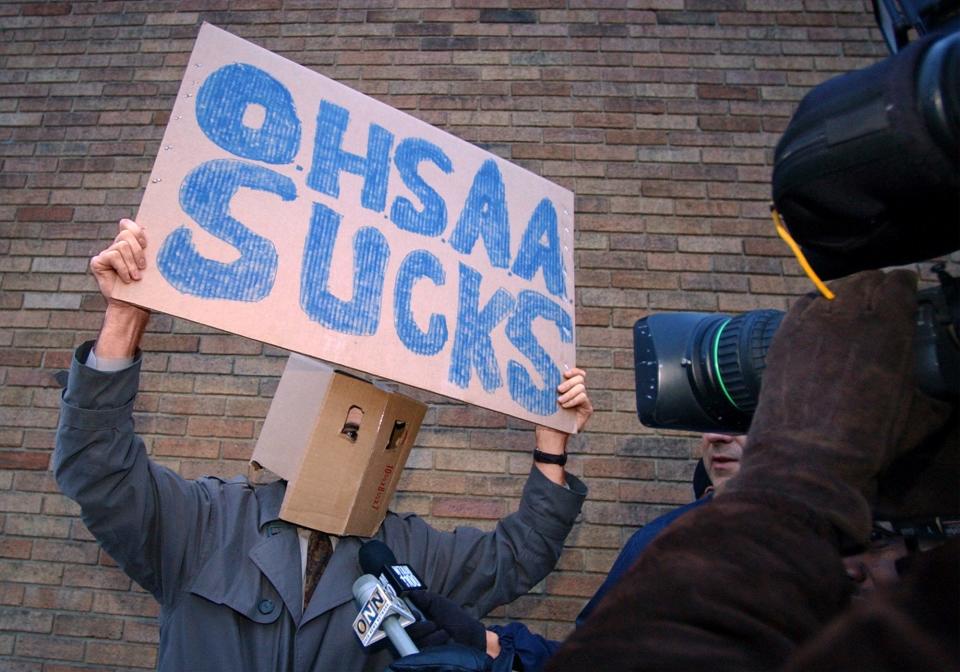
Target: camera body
866, 175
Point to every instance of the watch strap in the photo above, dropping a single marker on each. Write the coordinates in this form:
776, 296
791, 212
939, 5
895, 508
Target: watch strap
549, 458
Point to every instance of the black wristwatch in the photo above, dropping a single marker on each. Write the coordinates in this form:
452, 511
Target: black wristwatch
549, 458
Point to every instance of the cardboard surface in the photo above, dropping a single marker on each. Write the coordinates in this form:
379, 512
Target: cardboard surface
290, 209
336, 482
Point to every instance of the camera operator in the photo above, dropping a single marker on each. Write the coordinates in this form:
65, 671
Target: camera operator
756, 579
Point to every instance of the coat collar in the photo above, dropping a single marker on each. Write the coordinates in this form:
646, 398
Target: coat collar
273, 556
269, 501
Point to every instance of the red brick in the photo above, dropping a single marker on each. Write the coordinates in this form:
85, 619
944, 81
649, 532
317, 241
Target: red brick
222, 468
72, 625
221, 427
95, 577
432, 482
186, 447
125, 604
46, 9
470, 416
160, 424
56, 648
53, 213
671, 493
38, 526
191, 404
24, 460
251, 407
460, 460
76, 552
20, 571
230, 345
618, 467
11, 594
766, 247
576, 585
236, 450
40, 597
13, 547
24, 620
141, 632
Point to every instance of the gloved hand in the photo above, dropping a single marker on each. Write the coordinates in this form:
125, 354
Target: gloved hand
446, 622
447, 658
839, 400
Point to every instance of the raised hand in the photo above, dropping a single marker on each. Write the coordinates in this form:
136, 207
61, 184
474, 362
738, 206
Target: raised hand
123, 260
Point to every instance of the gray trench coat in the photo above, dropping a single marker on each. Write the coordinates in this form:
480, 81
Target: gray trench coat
226, 571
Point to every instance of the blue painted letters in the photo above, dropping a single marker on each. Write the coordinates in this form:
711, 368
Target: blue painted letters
432, 220
329, 158
205, 195
360, 315
532, 255
485, 214
223, 100
251, 115
472, 346
418, 264
542, 401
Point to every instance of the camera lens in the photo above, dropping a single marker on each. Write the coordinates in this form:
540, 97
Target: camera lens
741, 350
701, 371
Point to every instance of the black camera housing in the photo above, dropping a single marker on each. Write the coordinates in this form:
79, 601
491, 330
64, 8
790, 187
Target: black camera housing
702, 372
866, 173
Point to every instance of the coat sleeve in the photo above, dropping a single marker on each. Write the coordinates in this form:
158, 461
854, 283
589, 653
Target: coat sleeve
144, 515
526, 650
483, 570
736, 585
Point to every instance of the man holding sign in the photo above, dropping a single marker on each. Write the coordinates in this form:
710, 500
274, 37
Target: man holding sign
225, 570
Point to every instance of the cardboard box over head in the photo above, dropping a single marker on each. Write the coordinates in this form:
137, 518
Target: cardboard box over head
340, 443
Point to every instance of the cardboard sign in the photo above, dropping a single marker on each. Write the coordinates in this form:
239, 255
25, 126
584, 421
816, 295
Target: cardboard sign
290, 209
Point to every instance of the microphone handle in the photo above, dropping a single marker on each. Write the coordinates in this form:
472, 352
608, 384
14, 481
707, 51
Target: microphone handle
398, 636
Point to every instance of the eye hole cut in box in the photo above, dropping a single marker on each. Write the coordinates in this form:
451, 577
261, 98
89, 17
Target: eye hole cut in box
351, 424
351, 428
341, 444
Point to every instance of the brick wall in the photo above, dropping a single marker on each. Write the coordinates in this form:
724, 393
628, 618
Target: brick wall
660, 115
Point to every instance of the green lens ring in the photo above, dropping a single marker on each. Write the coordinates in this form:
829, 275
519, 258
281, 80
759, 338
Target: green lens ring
716, 363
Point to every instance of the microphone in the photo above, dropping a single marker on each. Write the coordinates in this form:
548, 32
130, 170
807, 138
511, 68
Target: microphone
382, 614
377, 559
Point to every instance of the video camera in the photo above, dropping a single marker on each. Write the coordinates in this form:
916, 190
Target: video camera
865, 176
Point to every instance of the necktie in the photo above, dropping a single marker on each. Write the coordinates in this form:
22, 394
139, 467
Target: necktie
319, 550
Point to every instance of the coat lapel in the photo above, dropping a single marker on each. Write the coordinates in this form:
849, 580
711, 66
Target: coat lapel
278, 557
277, 554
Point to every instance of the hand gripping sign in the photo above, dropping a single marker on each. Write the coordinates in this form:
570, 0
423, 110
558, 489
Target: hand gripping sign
290, 209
